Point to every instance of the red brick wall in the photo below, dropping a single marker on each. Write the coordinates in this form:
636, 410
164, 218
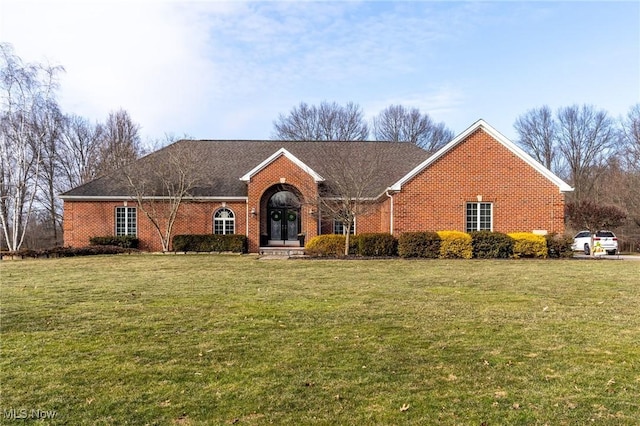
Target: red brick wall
280, 171
523, 199
374, 219
86, 219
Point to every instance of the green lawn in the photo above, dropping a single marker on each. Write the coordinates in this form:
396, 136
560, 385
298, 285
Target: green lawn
200, 339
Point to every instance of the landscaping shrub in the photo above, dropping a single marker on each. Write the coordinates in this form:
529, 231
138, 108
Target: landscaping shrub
419, 244
329, 245
89, 251
124, 241
210, 242
491, 245
68, 251
527, 244
559, 246
455, 245
376, 244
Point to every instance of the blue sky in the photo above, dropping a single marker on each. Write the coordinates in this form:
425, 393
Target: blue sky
226, 70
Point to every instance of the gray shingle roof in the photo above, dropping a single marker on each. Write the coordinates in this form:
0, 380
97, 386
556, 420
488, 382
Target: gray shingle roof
223, 163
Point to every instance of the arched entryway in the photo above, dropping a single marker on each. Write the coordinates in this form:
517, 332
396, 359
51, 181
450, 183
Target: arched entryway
283, 221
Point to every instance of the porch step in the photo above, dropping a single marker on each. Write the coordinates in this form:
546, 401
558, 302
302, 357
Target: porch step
281, 252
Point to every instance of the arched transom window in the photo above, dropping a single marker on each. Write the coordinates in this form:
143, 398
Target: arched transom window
224, 222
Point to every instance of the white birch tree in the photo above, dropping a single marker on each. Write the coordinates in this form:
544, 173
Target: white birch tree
27, 94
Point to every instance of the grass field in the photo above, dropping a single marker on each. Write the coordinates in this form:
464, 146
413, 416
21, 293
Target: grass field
199, 339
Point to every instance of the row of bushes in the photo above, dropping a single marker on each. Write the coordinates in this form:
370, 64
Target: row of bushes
211, 243
124, 241
445, 245
68, 252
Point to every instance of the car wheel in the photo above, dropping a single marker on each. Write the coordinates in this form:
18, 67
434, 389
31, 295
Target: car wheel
611, 252
587, 250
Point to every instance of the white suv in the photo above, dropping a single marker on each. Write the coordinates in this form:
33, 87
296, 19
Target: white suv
603, 241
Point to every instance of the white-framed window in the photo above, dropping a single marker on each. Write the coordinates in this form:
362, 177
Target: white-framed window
126, 221
338, 227
224, 222
479, 217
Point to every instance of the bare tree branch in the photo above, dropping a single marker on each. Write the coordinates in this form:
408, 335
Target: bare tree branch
399, 124
327, 122
160, 189
537, 131
350, 183
121, 143
586, 140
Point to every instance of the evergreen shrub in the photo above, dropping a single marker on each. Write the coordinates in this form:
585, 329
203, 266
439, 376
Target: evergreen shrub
419, 244
124, 241
527, 244
491, 245
455, 245
329, 245
210, 243
376, 244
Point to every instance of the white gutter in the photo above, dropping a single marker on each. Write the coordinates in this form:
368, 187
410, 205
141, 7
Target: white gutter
391, 212
246, 221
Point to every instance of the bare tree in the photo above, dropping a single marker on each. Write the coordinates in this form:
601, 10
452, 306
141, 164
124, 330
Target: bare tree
399, 124
121, 143
631, 162
48, 124
537, 131
631, 138
28, 98
587, 139
161, 181
327, 122
79, 151
351, 182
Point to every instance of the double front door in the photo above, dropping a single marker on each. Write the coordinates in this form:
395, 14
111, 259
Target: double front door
284, 224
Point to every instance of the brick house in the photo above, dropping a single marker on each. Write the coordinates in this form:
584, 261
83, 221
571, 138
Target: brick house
269, 191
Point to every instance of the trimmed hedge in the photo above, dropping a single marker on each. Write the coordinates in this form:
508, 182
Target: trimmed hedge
491, 245
124, 241
69, 251
210, 242
455, 245
527, 244
419, 244
559, 246
329, 245
376, 244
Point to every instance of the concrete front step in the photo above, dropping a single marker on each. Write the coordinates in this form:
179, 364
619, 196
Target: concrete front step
281, 251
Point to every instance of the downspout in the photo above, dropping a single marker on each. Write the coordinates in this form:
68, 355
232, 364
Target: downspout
390, 212
246, 221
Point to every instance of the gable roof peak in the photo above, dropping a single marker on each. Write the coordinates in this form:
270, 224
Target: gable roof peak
491, 131
282, 151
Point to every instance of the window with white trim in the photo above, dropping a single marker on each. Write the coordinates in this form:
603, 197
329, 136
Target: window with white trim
126, 221
479, 217
338, 227
224, 222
